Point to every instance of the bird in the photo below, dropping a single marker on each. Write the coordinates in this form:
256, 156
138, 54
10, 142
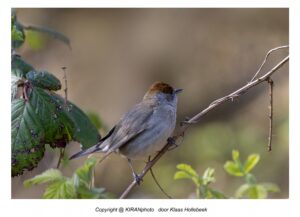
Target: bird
143, 130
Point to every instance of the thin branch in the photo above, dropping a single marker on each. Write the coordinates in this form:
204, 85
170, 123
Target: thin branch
271, 84
61, 155
159, 186
66, 85
266, 57
197, 118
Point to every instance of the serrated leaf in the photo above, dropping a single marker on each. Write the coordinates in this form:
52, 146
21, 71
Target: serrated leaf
83, 130
20, 67
250, 163
51, 175
233, 168
50, 32
26, 136
43, 79
63, 189
57, 124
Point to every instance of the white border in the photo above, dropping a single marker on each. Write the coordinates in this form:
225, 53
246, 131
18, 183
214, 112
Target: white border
287, 207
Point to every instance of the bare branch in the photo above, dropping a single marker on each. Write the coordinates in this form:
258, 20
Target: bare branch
66, 85
197, 118
266, 57
271, 84
61, 156
159, 186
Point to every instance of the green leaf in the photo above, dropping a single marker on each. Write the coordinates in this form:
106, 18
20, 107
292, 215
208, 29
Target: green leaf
43, 79
85, 172
26, 136
242, 190
83, 130
63, 189
187, 172
95, 119
57, 124
35, 40
52, 33
19, 67
250, 163
17, 34
250, 179
257, 192
51, 175
235, 155
188, 169
182, 175
208, 176
233, 168
212, 193
270, 187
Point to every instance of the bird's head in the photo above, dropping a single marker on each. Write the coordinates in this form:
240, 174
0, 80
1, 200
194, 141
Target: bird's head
162, 92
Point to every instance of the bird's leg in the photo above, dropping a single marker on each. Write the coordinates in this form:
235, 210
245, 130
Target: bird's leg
136, 177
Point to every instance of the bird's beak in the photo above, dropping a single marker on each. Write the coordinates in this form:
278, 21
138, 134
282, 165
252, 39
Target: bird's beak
176, 91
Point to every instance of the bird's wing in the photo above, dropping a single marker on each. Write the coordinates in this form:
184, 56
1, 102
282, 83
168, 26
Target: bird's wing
131, 125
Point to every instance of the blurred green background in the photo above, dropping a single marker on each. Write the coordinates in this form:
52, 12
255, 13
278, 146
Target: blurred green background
118, 53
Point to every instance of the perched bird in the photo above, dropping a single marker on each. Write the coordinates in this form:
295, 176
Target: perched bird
144, 129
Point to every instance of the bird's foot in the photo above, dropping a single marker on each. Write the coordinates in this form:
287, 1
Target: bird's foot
138, 179
172, 143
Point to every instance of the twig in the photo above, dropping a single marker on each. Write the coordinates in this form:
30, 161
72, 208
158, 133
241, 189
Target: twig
66, 85
266, 57
61, 155
157, 183
271, 84
198, 117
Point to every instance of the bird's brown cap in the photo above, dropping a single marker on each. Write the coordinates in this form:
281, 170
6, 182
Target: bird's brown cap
160, 87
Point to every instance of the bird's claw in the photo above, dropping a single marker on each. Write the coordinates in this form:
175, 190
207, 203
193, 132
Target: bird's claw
138, 179
172, 143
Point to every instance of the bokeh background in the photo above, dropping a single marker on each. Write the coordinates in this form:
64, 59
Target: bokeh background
116, 55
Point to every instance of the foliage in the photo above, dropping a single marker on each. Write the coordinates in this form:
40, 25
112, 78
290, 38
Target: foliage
79, 185
251, 189
39, 116
201, 182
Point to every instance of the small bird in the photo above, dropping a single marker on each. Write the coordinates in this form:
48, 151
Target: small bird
144, 129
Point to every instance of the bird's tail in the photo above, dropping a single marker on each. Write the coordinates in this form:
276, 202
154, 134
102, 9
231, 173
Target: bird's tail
93, 149
101, 146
